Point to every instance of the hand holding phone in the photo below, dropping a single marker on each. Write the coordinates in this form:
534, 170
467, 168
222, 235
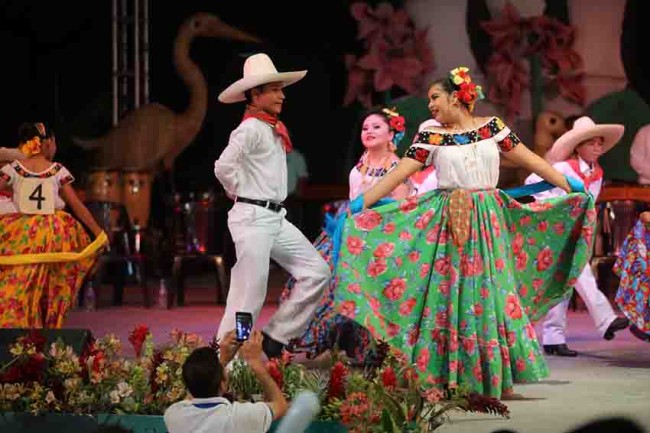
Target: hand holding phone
243, 325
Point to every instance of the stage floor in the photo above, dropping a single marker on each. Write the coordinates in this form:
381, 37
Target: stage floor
608, 378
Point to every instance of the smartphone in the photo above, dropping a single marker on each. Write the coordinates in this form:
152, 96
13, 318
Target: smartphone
243, 325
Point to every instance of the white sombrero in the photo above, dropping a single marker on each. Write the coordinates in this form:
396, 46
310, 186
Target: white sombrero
258, 70
583, 129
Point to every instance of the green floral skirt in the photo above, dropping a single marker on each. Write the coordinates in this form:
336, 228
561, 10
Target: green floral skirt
462, 311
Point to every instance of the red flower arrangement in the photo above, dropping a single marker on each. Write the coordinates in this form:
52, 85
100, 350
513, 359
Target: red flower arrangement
395, 53
514, 39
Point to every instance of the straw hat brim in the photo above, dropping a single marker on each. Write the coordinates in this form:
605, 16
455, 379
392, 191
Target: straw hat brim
565, 145
235, 92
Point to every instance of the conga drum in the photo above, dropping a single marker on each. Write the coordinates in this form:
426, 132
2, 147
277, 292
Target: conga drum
104, 185
104, 191
136, 194
194, 223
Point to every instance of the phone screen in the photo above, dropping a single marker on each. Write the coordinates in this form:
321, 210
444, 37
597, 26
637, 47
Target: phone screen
243, 325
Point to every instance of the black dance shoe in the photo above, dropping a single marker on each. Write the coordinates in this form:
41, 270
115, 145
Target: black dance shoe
618, 324
559, 350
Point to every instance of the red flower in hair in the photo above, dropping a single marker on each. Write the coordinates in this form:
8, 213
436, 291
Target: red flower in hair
467, 93
398, 123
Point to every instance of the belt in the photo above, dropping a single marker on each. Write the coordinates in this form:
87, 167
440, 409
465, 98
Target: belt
275, 207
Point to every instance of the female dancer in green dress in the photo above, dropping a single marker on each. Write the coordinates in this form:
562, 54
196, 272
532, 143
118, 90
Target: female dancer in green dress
452, 278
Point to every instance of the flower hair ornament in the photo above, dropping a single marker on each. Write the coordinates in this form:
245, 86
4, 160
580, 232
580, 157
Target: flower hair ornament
468, 92
31, 147
397, 123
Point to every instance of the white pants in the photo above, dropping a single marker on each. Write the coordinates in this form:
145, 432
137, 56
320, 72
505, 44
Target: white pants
600, 310
259, 235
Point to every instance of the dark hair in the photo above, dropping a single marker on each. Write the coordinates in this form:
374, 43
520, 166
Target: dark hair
376, 111
446, 85
248, 94
29, 130
612, 424
203, 373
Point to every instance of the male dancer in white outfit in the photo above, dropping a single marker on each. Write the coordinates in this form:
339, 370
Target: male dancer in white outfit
253, 171
576, 154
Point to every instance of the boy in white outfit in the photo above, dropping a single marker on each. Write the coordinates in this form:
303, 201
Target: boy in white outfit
576, 154
253, 171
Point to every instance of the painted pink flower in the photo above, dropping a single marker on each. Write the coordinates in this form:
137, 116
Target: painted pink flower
395, 289
422, 360
389, 228
360, 83
348, 309
407, 306
442, 265
367, 221
384, 250
354, 288
376, 268
424, 270
393, 329
469, 345
414, 256
544, 259
513, 308
424, 220
355, 245
408, 205
517, 243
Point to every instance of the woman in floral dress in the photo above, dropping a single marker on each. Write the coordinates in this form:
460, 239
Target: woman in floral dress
633, 269
38, 284
452, 278
381, 131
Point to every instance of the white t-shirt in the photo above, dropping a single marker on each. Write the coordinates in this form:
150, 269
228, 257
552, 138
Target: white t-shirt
217, 415
56, 174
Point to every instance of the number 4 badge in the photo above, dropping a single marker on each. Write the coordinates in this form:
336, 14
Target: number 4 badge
34, 196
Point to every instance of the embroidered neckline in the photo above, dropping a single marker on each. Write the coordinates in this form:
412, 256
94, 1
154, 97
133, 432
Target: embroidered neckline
22, 171
487, 130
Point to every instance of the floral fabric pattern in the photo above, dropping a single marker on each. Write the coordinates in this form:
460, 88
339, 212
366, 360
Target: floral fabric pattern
329, 328
39, 295
463, 315
633, 296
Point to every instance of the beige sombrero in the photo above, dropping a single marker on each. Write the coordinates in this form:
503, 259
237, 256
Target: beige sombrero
583, 129
258, 70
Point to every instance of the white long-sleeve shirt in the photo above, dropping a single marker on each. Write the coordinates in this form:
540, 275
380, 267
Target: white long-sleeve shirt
254, 164
564, 168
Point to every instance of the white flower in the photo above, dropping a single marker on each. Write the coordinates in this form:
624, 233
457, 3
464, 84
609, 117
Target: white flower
49, 398
124, 389
115, 397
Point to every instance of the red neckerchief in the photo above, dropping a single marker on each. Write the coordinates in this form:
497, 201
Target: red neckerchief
596, 174
278, 126
419, 176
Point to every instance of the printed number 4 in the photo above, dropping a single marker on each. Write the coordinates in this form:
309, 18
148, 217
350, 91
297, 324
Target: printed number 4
37, 196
